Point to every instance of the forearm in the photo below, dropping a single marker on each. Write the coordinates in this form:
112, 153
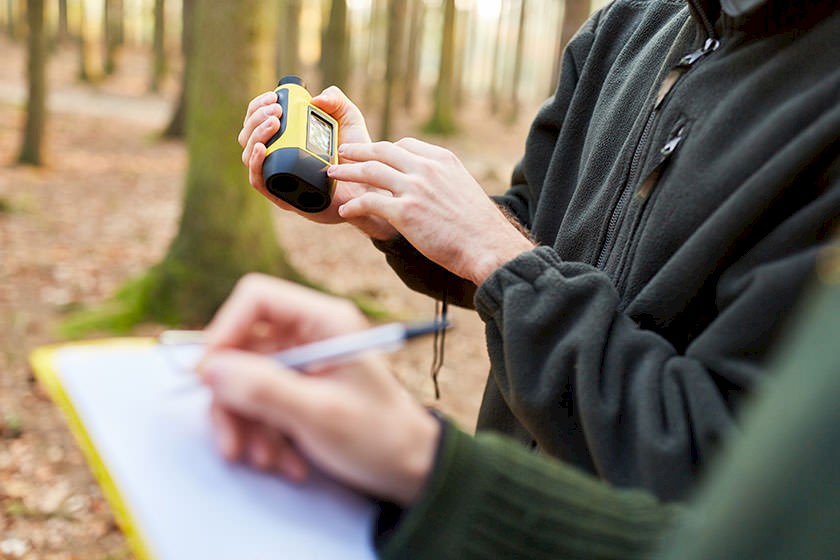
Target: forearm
491, 498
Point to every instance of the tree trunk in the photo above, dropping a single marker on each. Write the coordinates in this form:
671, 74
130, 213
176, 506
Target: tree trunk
177, 124
412, 68
443, 114
375, 45
113, 33
226, 229
517, 65
63, 30
91, 40
159, 47
393, 62
463, 31
36, 68
335, 55
575, 13
288, 39
496, 73
15, 18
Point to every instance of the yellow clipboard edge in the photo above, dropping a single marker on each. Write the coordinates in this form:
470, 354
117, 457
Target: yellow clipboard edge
42, 360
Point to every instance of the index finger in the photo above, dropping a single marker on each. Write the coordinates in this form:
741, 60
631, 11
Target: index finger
295, 313
261, 100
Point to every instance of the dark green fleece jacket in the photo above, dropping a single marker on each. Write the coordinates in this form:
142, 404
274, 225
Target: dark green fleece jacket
679, 183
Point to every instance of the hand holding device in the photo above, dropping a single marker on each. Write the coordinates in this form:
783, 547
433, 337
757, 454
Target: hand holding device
262, 122
297, 156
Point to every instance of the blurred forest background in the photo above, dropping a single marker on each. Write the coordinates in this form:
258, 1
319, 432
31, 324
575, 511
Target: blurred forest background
124, 205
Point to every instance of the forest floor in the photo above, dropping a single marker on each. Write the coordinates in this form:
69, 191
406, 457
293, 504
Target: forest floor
102, 210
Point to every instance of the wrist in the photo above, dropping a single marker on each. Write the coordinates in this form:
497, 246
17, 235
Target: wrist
509, 248
416, 464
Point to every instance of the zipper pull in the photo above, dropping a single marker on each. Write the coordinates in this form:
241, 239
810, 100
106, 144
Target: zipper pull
681, 68
650, 181
710, 45
672, 143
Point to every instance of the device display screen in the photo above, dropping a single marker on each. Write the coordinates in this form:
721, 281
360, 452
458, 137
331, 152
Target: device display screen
319, 136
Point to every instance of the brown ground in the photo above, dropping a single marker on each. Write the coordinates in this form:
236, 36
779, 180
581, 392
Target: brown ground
102, 210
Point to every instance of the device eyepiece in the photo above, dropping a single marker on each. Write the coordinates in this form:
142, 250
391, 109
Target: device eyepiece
291, 80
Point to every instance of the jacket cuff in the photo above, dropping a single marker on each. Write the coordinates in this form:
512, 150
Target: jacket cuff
525, 268
422, 275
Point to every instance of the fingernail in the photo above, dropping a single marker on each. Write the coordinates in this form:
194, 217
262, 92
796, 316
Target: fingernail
341, 149
331, 169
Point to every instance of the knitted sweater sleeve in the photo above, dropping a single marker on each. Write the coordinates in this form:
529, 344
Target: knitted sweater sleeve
490, 497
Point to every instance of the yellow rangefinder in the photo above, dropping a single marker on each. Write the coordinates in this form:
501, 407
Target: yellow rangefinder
297, 157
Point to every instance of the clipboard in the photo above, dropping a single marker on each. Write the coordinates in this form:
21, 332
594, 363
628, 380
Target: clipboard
148, 442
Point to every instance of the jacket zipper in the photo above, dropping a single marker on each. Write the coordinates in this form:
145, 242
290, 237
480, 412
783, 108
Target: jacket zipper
666, 151
684, 65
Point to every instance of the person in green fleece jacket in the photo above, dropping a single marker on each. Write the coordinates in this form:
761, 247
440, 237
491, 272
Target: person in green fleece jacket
666, 214
445, 494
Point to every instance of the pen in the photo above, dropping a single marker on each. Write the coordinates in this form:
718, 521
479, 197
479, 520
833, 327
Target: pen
387, 337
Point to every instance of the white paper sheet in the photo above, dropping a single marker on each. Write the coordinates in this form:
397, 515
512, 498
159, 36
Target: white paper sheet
152, 431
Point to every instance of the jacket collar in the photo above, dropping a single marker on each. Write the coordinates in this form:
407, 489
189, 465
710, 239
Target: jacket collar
761, 15
732, 8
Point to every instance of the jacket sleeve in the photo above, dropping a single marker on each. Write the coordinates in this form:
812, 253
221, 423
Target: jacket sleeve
591, 385
426, 277
490, 497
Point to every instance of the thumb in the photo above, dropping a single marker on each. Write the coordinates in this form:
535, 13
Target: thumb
334, 102
254, 386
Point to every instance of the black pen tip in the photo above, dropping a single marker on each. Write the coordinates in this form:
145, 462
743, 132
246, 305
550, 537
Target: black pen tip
427, 327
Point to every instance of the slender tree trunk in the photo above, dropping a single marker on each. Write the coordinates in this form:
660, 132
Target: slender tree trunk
177, 124
496, 70
443, 114
226, 229
412, 69
90, 67
335, 55
36, 67
16, 18
375, 46
393, 62
462, 45
10, 19
517, 65
159, 47
288, 39
575, 13
113, 33
63, 30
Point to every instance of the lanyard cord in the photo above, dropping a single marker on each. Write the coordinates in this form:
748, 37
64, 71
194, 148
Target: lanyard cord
439, 341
